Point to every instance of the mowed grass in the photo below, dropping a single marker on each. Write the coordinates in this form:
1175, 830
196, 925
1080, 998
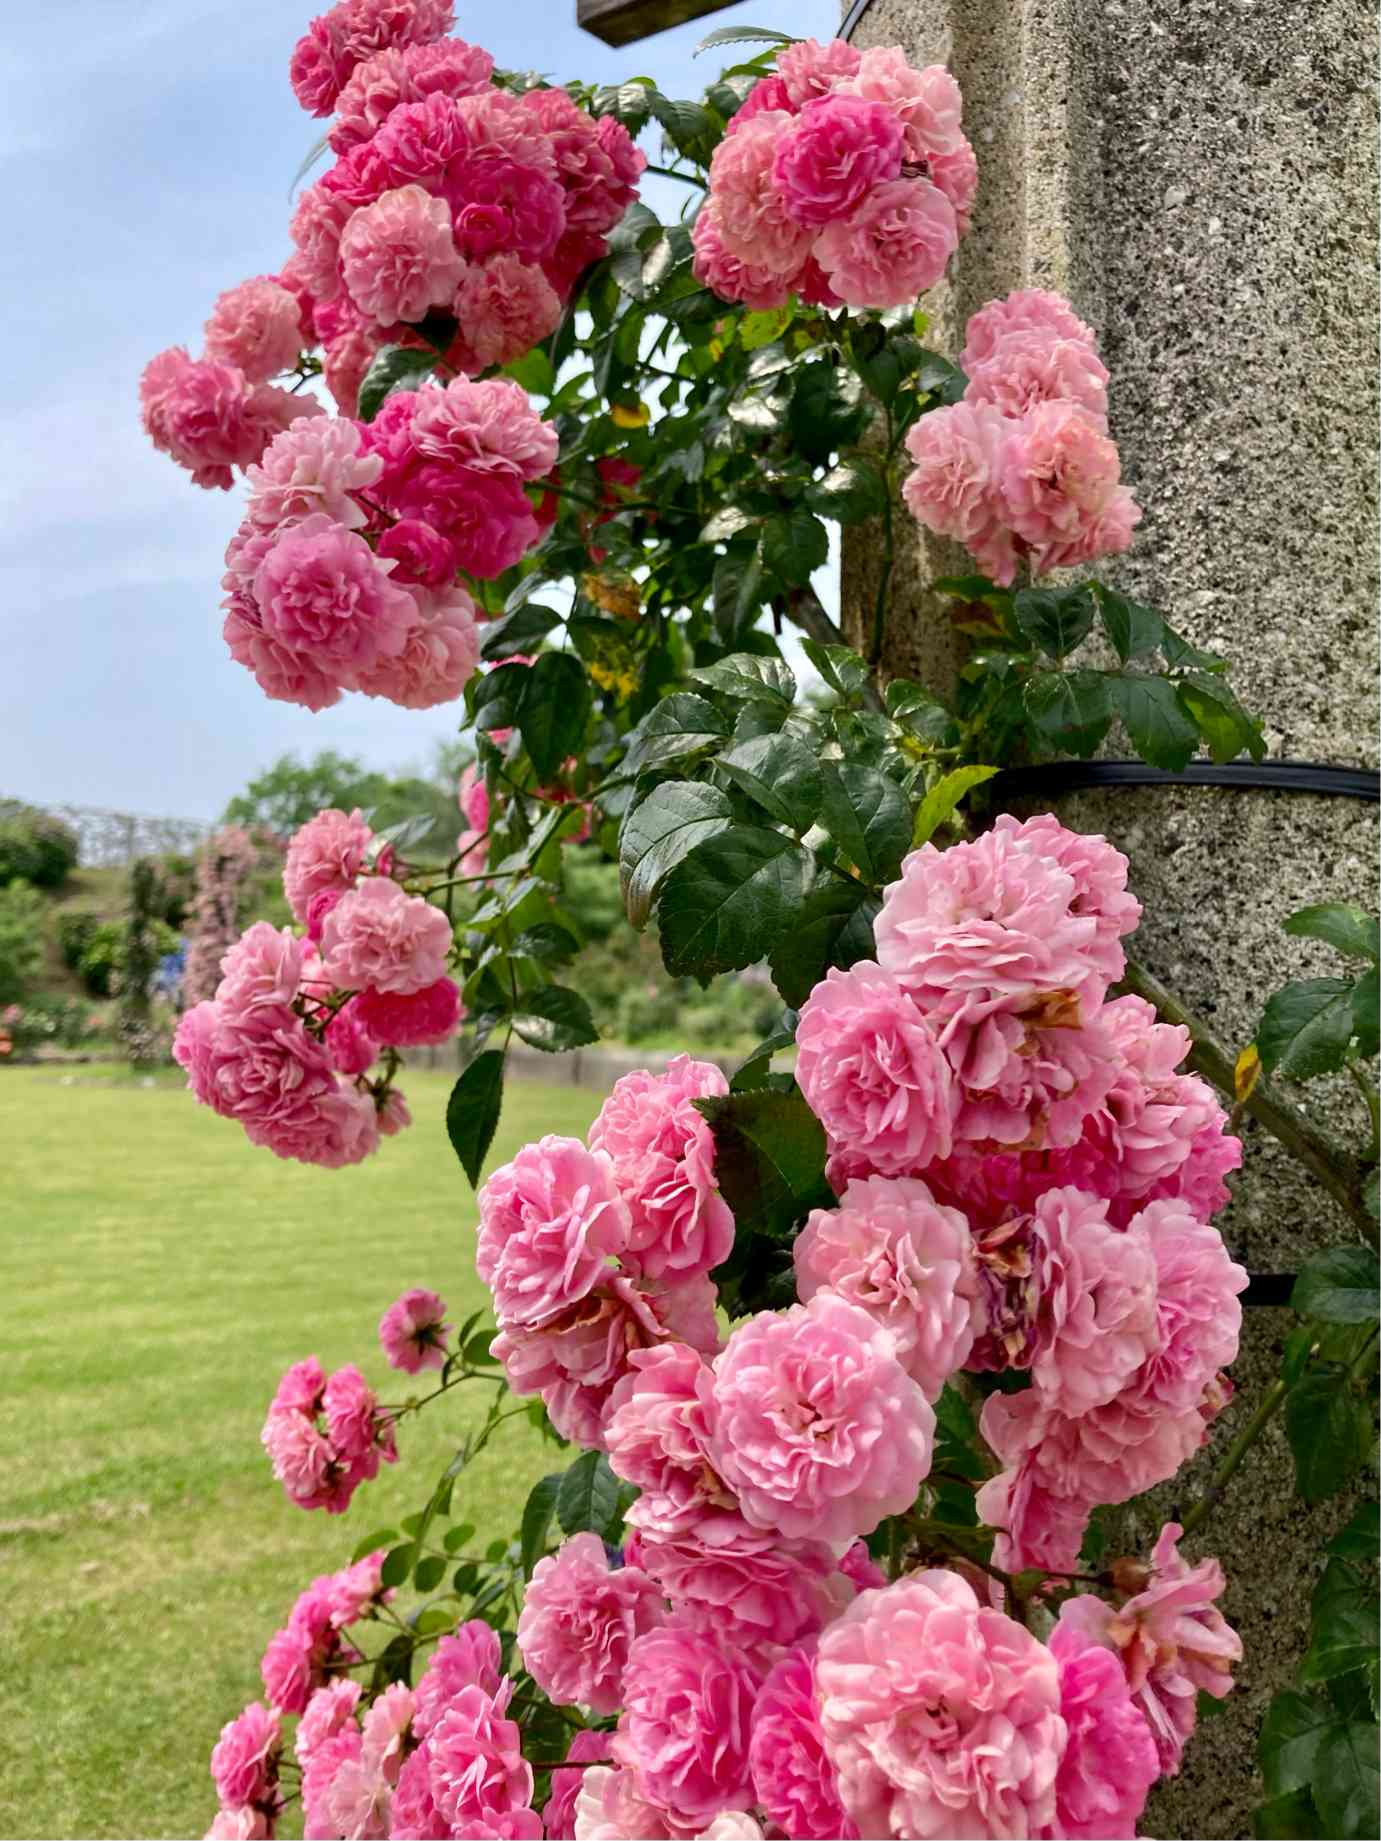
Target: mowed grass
157, 1274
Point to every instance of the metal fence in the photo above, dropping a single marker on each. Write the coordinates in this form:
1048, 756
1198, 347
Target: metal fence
110, 840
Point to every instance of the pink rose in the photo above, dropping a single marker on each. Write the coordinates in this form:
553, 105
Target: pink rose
477, 1772
874, 1074
558, 1816
352, 31
927, 101
940, 1716
264, 966
753, 221
431, 1015
759, 288
792, 1775
819, 1429
892, 1250
422, 554
257, 326
612, 1805
657, 1429
330, 1709
1110, 1761
439, 654
504, 307
597, 163
807, 69
579, 1620
326, 855
1058, 477
838, 149
244, 1763
1029, 368
893, 246
378, 938
355, 1589
385, 1731
316, 465
685, 1729
393, 77
550, 1221
349, 1044
413, 1331
209, 418
321, 591
953, 489
1028, 310
398, 257
469, 1657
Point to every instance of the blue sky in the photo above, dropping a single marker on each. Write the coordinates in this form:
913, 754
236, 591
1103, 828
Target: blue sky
146, 153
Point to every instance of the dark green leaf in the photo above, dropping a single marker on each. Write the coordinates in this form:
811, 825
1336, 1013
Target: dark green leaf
726, 902
1306, 1028
554, 1018
1345, 1780
781, 774
867, 816
749, 675
679, 725
1351, 1694
381, 1537
547, 942
1294, 1725
794, 546
1348, 929
727, 522
1055, 619
395, 1664
1287, 1818
659, 831
1157, 727
943, 798
1361, 1538
554, 710
588, 1499
1329, 1429
1339, 1286
455, 1538
1070, 709
398, 1563
519, 632
537, 1513
1180, 655
850, 493
827, 411
472, 1112
834, 927
751, 1073
391, 367
921, 713
1135, 631
1366, 1013
689, 125
1212, 706
842, 669
769, 1159
738, 593
475, 1348
429, 1571
1344, 1635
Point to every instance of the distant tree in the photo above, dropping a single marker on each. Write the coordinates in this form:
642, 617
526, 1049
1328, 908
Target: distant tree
290, 792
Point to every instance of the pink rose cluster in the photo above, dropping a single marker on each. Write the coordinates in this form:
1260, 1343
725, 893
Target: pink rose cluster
325, 1436
449, 196
1023, 469
343, 572
287, 1043
844, 178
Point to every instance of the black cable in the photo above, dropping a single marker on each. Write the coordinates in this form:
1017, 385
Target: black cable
1249, 776
854, 17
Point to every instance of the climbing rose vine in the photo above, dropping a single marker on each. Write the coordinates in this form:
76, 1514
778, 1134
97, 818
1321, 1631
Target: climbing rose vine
838, 1365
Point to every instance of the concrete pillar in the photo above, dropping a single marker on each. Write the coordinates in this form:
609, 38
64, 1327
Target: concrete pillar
1199, 176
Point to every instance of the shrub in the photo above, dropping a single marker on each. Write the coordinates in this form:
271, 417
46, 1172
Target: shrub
21, 938
66, 1022
34, 846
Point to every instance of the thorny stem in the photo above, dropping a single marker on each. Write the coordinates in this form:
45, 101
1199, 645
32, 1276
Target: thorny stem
1366, 1086
1337, 1170
670, 172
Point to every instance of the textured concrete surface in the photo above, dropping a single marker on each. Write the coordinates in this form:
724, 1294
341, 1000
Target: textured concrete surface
1199, 177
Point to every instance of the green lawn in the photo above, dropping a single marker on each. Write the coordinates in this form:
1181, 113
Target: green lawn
157, 1275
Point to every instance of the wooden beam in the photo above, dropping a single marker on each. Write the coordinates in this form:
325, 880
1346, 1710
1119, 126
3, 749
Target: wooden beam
624, 22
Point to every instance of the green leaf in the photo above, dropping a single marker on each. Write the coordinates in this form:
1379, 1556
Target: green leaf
727, 901
472, 1112
841, 668
867, 816
548, 942
738, 593
827, 410
769, 1159
455, 1538
1070, 709
381, 1537
833, 928
554, 1018
943, 798
1055, 620
1135, 631
398, 1562
1366, 1013
1339, 1286
850, 493
751, 1072
727, 522
794, 546
554, 709
679, 725
1329, 1429
742, 35
747, 674
475, 1348
1291, 1733
1212, 706
1287, 1818
588, 1500
781, 774
689, 125
537, 1513
1345, 1780
1306, 1028
1157, 727
1348, 929
1344, 1633
758, 329
391, 367
1360, 1539
519, 632
429, 1571
659, 831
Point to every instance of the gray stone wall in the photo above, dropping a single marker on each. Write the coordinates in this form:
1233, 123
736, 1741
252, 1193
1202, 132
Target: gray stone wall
1199, 176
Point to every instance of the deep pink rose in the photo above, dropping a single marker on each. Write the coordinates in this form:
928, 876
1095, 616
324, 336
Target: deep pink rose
550, 1221
686, 1722
579, 1620
793, 1777
244, 1763
413, 1331
326, 855
838, 149
422, 554
380, 939
1110, 1761
469, 1657
477, 1772
431, 1015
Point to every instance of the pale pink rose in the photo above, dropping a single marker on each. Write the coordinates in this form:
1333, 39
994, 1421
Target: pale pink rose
385, 1730
612, 1805
439, 653
423, 556
1197, 1304
317, 223
1110, 1760
349, 1044
244, 1763
502, 129
264, 966
393, 77
1099, 871
378, 938
927, 101
316, 465
838, 149
558, 1814
1028, 368
352, 31
413, 1331
469, 1657
282, 672
1034, 1527
687, 1708
1034, 310
321, 591
731, 1825
393, 1113
893, 246
345, 362
1059, 482
429, 1016
476, 1770
326, 855
355, 1589
657, 1429
662, 1151
941, 1716
356, 1803
956, 174
398, 257
504, 307
579, 1620
953, 489
330, 1709
487, 427
874, 1074
243, 1824
893, 1251
256, 326
724, 274
792, 1776
550, 1222
808, 69
208, 417
261, 1068
819, 1429
753, 221
1070, 1297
